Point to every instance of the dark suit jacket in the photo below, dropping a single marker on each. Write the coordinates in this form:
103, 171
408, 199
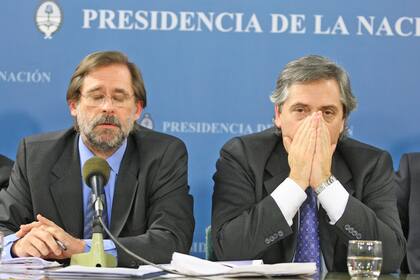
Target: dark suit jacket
152, 212
408, 195
248, 224
5, 170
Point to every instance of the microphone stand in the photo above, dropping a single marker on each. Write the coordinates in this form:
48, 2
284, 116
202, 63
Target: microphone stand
96, 257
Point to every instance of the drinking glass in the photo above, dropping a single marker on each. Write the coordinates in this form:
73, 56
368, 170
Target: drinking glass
364, 258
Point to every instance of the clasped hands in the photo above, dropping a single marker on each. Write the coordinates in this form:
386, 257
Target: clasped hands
39, 239
310, 152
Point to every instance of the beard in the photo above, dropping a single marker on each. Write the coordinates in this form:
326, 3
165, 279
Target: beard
103, 139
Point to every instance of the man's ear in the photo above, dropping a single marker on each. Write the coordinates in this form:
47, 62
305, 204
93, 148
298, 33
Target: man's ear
73, 107
277, 116
343, 125
139, 109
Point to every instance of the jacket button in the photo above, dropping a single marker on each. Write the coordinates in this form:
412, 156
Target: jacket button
359, 236
280, 233
267, 241
347, 227
276, 235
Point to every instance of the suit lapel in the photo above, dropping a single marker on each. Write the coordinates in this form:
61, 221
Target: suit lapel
125, 188
277, 168
342, 172
276, 171
66, 189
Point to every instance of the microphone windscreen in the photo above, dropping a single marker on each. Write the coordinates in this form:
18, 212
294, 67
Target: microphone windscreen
95, 166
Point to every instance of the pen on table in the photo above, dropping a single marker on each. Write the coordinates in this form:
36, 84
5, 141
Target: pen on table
61, 244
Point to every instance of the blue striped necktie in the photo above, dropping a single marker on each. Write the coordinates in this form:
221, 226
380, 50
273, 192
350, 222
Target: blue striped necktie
87, 232
308, 247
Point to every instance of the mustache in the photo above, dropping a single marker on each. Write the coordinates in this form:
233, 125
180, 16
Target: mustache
106, 119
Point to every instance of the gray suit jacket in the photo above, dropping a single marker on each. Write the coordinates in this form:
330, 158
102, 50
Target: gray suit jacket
408, 194
5, 170
248, 224
152, 212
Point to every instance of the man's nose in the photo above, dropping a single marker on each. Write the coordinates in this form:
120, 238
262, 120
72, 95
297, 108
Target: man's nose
107, 104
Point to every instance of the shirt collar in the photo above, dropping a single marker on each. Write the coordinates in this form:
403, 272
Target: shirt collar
113, 161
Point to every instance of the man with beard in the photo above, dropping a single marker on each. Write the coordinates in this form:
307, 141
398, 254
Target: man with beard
148, 205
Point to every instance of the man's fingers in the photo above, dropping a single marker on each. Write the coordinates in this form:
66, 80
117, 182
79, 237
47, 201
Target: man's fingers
325, 138
21, 233
51, 236
312, 141
303, 131
28, 227
56, 234
43, 240
301, 151
30, 245
45, 221
25, 228
321, 167
40, 246
32, 251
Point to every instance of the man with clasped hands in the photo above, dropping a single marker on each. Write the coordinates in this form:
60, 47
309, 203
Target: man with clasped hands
149, 209
263, 179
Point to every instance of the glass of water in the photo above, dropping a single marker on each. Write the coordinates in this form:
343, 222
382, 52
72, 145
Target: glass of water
364, 258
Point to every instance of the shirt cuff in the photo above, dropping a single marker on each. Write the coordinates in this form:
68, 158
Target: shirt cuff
334, 200
289, 196
109, 246
9, 240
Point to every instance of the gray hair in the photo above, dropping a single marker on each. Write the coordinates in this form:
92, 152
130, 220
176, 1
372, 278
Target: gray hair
314, 68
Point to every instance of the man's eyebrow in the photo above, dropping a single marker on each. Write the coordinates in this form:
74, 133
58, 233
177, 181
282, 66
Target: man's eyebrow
299, 104
94, 89
332, 107
120, 90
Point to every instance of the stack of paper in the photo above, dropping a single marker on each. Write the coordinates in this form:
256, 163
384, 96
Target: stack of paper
79, 272
194, 266
29, 263
184, 264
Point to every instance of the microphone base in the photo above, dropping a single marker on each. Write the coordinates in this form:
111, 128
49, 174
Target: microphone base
96, 257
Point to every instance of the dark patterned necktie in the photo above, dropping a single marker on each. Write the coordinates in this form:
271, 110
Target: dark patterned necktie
308, 248
87, 232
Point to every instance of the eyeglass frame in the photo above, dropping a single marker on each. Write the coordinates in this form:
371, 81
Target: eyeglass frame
98, 103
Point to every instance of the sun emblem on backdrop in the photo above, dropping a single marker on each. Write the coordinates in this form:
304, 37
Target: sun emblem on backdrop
48, 18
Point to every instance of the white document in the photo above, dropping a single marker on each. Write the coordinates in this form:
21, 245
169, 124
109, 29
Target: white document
29, 263
106, 272
196, 266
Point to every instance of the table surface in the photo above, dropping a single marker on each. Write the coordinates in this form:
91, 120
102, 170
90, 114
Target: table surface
37, 274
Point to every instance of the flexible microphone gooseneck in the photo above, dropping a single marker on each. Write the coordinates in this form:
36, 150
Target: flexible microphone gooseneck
96, 174
161, 267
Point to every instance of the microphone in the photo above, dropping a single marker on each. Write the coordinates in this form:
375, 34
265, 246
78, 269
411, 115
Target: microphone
95, 174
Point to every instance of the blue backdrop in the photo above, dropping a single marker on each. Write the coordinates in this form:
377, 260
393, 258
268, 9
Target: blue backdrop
209, 67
